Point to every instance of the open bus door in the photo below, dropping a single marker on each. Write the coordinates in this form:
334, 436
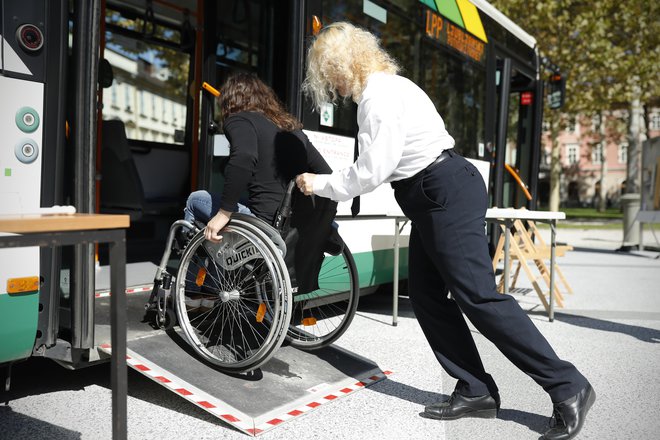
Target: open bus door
519, 107
261, 37
517, 145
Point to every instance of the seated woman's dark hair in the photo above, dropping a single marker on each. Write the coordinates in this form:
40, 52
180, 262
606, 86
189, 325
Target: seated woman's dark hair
245, 92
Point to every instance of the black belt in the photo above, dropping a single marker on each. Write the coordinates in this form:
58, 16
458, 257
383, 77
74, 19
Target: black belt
446, 154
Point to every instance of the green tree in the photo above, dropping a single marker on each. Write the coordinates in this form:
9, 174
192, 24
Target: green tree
607, 49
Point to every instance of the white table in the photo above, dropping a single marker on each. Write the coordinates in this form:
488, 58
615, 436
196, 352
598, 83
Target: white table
47, 230
505, 216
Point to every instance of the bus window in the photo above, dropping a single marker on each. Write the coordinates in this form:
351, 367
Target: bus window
246, 42
455, 84
398, 34
457, 88
150, 80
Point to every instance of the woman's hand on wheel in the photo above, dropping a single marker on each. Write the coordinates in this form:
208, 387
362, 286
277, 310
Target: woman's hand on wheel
215, 225
305, 183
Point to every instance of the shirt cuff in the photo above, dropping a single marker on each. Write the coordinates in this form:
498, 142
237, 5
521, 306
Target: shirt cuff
320, 184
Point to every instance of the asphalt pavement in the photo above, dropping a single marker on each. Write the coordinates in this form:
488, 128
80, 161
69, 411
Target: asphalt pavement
609, 328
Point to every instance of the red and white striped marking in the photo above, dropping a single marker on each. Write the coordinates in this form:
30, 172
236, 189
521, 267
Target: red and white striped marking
193, 394
138, 289
331, 393
232, 416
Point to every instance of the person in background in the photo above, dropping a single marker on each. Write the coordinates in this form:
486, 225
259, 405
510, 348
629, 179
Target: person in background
403, 141
267, 150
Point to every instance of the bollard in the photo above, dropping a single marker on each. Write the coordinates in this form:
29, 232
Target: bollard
630, 204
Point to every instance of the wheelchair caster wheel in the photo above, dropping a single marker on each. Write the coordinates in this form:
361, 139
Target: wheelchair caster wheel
170, 320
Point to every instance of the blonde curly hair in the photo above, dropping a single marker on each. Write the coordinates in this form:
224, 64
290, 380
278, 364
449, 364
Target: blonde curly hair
342, 56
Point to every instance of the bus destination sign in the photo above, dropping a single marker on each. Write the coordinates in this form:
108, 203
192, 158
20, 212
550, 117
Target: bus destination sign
446, 32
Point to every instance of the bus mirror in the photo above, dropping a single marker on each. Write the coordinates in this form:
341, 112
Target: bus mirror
557, 92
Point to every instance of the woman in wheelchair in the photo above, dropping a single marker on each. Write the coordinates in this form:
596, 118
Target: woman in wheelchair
234, 285
267, 150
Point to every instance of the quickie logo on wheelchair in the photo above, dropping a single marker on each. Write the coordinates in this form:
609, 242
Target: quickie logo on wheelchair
233, 257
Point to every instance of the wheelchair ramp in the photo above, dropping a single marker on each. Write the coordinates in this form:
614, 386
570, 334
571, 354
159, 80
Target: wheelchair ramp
291, 384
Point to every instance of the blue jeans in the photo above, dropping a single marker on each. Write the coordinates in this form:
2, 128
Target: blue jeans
202, 205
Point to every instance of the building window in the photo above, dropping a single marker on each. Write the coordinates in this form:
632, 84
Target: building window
655, 121
597, 154
153, 107
127, 97
572, 151
572, 126
623, 153
142, 107
113, 89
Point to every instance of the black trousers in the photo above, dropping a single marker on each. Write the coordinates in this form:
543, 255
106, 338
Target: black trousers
448, 252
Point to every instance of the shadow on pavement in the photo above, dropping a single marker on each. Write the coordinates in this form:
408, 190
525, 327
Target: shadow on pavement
534, 422
644, 334
37, 376
17, 426
402, 391
633, 253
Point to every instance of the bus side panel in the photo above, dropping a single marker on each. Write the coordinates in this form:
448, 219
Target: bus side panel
371, 243
21, 148
19, 312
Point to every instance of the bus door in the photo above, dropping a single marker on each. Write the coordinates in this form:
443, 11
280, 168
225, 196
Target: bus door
245, 36
146, 133
516, 155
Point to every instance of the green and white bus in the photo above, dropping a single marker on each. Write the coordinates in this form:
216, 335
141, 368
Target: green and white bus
103, 109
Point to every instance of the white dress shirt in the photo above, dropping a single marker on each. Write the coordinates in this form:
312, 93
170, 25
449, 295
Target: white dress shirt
400, 134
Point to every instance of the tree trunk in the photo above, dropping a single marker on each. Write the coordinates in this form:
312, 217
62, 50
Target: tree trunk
634, 142
555, 166
602, 196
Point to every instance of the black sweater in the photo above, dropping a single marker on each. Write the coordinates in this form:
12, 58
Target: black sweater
263, 159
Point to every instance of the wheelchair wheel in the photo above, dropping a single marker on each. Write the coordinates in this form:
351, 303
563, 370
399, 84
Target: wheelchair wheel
322, 316
233, 298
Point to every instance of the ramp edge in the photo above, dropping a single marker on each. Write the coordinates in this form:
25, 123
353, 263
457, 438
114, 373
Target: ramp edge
199, 398
236, 418
325, 395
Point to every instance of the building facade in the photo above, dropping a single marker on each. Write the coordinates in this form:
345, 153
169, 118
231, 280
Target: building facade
582, 151
141, 97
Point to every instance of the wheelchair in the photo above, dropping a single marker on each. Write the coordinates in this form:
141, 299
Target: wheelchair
234, 301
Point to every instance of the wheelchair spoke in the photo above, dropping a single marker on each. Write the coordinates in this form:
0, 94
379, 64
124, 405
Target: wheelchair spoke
230, 298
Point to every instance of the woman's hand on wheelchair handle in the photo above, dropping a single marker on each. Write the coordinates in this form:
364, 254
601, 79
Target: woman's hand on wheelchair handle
305, 183
215, 225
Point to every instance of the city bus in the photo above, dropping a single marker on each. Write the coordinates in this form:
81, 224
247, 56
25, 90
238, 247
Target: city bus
103, 109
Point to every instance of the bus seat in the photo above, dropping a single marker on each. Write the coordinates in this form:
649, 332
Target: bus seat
121, 186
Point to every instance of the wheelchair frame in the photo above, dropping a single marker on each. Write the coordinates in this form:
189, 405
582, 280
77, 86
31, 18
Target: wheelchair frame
234, 302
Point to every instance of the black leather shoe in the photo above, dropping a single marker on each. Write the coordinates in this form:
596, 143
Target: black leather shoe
457, 406
568, 416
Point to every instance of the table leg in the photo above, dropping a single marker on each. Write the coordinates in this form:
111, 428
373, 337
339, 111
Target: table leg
119, 380
395, 274
553, 250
